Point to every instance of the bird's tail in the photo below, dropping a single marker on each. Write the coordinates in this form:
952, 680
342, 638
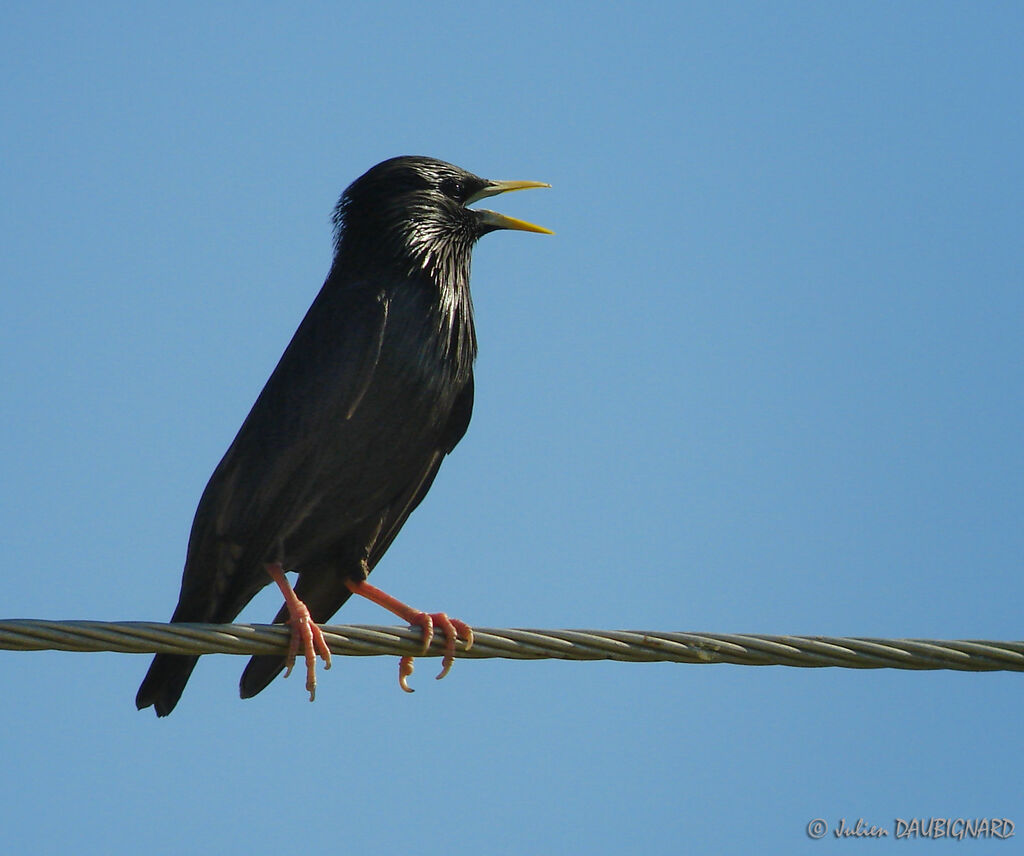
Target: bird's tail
168, 673
165, 682
323, 595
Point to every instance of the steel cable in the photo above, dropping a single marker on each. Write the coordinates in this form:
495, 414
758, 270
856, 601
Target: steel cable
142, 637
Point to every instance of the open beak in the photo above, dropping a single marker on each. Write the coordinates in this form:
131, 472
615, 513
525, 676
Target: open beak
494, 220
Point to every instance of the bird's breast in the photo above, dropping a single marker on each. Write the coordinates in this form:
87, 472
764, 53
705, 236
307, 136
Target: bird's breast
424, 362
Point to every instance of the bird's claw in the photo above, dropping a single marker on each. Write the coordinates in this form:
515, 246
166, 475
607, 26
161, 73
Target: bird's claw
405, 668
305, 632
426, 621
453, 630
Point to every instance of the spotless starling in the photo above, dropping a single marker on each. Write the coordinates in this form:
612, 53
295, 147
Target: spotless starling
345, 439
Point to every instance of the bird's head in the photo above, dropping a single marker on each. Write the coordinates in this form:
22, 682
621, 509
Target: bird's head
413, 211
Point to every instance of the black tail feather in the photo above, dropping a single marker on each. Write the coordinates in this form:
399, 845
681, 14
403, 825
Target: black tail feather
165, 682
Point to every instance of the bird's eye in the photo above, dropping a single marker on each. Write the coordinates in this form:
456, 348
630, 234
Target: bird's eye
453, 188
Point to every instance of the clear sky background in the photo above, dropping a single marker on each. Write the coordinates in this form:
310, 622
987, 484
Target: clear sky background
767, 377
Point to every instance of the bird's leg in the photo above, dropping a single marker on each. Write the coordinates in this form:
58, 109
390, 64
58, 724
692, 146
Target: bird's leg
452, 628
303, 629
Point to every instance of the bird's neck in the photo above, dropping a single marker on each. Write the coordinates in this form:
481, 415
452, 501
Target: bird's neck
455, 327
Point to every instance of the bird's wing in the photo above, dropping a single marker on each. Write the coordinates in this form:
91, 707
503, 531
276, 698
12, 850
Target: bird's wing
260, 484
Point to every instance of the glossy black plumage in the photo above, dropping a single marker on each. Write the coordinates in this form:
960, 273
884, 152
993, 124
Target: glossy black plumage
345, 439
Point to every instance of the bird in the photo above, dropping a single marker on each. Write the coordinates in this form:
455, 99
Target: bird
374, 390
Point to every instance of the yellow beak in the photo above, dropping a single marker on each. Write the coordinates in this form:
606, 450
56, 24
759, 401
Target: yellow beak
500, 221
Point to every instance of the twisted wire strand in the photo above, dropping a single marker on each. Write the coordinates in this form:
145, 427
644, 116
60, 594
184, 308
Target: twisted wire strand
638, 646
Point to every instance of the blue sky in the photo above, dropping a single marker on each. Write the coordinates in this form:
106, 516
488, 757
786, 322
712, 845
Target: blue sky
765, 378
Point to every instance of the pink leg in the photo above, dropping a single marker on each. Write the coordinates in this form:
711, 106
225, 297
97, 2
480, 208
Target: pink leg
453, 628
304, 630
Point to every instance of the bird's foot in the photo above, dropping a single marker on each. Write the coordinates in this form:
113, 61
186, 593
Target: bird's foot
304, 632
452, 628
307, 635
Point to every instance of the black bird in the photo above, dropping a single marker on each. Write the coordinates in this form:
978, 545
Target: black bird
345, 439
